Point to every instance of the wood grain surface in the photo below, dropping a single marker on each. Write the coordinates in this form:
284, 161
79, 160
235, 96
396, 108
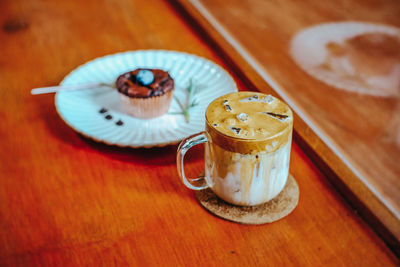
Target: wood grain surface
69, 201
362, 150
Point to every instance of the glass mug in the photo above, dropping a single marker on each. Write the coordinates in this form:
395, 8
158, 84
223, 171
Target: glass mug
248, 140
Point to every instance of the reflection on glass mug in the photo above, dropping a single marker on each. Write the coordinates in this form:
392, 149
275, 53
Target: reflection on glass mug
248, 139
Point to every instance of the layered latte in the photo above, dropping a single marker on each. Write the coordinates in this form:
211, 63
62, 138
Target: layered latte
248, 151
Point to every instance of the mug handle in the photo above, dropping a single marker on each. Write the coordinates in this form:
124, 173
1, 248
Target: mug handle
184, 146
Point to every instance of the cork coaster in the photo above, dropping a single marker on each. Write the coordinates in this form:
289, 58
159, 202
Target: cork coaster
273, 210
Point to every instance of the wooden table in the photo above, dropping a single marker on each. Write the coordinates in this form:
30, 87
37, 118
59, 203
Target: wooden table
66, 200
351, 136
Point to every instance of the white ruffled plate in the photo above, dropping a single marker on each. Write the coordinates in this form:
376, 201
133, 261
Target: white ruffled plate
81, 109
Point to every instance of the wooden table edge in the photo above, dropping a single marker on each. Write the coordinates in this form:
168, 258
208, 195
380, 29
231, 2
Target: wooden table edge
370, 208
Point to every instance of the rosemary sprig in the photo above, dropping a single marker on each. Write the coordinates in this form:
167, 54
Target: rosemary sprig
190, 101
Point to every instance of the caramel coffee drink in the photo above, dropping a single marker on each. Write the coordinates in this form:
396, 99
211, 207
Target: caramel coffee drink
248, 139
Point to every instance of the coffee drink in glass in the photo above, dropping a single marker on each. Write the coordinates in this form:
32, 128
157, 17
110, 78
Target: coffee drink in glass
248, 140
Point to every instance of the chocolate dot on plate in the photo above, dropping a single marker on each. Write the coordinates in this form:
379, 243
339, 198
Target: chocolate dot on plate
119, 123
103, 110
108, 117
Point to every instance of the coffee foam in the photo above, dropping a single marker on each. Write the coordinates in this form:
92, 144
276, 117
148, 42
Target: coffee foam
248, 122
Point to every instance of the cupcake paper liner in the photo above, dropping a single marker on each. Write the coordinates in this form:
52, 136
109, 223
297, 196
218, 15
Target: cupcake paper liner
146, 108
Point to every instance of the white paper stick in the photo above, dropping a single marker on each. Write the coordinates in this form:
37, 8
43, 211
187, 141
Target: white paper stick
53, 89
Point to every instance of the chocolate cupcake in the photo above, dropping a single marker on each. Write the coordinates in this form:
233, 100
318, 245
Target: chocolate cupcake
146, 93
